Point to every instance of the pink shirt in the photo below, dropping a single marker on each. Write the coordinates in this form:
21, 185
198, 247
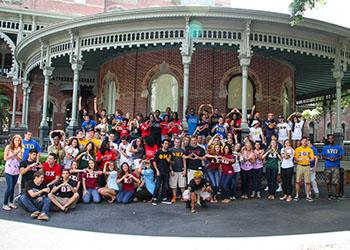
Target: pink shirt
12, 165
247, 165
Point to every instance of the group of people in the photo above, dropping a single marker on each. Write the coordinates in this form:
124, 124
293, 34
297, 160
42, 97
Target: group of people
153, 159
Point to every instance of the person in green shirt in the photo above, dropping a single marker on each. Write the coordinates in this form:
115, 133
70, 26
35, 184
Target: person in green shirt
271, 157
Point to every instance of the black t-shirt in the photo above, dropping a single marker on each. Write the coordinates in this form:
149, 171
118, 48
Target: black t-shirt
30, 185
29, 175
161, 160
177, 154
65, 191
194, 187
195, 164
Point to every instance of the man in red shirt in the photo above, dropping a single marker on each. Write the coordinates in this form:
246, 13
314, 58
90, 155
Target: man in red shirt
52, 171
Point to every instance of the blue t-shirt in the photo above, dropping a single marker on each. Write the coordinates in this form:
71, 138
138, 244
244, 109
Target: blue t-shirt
148, 176
332, 151
89, 125
28, 145
220, 130
312, 163
192, 121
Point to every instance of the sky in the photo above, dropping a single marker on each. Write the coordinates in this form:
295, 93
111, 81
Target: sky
334, 11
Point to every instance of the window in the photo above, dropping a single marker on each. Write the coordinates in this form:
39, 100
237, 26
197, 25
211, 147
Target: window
234, 99
110, 93
286, 102
164, 93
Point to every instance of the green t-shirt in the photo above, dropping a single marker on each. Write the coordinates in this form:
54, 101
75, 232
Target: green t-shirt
272, 160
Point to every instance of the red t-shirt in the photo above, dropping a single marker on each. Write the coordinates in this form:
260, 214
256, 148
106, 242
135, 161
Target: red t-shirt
129, 183
108, 156
151, 151
165, 128
124, 131
145, 130
213, 164
51, 173
227, 167
90, 179
175, 129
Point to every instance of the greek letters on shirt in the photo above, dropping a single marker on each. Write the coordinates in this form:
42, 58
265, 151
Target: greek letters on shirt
50, 173
165, 156
91, 175
332, 151
177, 154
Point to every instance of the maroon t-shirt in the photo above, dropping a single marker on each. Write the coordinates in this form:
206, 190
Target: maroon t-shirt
90, 179
227, 167
129, 184
50, 173
213, 164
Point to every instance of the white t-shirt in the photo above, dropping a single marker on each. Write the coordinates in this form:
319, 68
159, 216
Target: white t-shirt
298, 130
255, 133
287, 163
125, 148
283, 129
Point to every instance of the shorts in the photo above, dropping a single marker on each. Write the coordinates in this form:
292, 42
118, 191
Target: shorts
177, 180
187, 194
303, 172
64, 201
332, 175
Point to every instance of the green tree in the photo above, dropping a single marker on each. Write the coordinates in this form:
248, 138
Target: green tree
4, 111
297, 8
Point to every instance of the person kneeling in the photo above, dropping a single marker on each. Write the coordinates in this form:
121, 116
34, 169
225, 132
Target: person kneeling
198, 191
34, 198
65, 194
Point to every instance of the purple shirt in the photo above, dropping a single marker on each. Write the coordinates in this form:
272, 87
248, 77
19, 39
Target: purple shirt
12, 165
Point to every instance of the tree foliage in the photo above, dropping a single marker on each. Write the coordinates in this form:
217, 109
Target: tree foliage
297, 8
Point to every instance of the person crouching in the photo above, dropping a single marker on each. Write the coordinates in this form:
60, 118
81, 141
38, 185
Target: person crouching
198, 191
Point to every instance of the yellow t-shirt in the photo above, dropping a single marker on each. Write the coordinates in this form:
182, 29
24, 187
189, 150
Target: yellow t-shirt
303, 156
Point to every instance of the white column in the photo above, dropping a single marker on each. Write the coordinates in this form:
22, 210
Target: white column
15, 83
186, 85
24, 105
29, 90
33, 24
244, 62
76, 67
47, 72
338, 75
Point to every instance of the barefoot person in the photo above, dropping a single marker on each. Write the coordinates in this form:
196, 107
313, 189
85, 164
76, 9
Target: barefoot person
35, 198
111, 188
65, 194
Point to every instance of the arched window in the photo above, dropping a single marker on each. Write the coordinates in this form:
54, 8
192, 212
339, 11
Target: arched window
234, 99
5, 106
110, 95
286, 102
164, 93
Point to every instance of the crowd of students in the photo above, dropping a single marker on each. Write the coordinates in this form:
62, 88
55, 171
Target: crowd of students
152, 159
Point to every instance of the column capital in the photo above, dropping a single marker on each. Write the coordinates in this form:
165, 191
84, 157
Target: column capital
338, 74
47, 71
25, 84
29, 90
244, 60
77, 65
15, 82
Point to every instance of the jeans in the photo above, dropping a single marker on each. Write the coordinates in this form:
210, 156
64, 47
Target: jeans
287, 180
91, 193
257, 180
32, 205
271, 174
214, 179
125, 197
234, 183
11, 181
246, 179
162, 187
226, 183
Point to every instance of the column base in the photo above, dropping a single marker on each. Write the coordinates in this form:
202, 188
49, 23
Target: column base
43, 135
18, 131
339, 138
185, 125
71, 129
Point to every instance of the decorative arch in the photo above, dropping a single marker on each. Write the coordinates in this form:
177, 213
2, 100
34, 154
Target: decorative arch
156, 71
235, 71
110, 91
39, 104
14, 67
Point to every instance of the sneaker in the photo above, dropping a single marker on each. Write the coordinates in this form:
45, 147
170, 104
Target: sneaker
317, 195
233, 198
266, 189
258, 195
193, 211
15, 200
166, 202
6, 207
35, 214
154, 203
43, 216
226, 201
296, 198
338, 197
309, 199
252, 195
330, 197
279, 189
173, 200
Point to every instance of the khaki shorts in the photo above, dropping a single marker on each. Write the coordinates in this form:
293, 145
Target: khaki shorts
187, 194
64, 201
303, 173
332, 175
177, 180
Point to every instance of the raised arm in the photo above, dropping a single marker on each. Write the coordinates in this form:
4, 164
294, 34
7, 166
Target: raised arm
95, 105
